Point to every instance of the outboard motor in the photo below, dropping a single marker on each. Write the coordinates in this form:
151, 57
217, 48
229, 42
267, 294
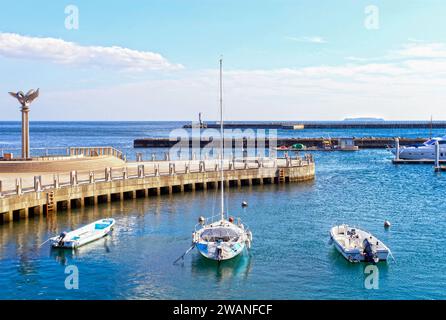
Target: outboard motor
61, 237
369, 254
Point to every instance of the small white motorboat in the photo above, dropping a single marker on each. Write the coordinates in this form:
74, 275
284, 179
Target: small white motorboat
79, 237
357, 245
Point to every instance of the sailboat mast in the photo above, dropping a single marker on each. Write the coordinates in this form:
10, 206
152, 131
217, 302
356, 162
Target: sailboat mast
222, 142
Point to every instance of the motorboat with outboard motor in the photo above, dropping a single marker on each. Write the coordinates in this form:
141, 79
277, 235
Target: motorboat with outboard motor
357, 245
79, 237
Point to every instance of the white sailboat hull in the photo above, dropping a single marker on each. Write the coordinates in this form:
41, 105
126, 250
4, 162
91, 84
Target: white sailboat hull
222, 240
84, 235
220, 252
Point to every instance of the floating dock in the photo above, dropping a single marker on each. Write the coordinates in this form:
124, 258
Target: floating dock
46, 193
362, 143
418, 161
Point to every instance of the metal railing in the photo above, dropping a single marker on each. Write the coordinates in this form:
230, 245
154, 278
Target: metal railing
55, 153
96, 151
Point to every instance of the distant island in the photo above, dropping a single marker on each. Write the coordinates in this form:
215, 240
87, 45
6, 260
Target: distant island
364, 119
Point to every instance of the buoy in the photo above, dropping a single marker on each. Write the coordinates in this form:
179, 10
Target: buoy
231, 219
201, 220
386, 224
244, 204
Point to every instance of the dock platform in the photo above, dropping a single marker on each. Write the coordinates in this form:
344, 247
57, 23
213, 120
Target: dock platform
420, 161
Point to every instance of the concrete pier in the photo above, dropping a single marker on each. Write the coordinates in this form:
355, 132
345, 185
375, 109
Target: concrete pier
142, 179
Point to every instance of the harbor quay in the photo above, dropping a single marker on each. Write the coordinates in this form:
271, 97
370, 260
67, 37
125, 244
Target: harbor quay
87, 178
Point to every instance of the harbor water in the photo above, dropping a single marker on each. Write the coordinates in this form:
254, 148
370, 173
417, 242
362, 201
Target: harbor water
291, 257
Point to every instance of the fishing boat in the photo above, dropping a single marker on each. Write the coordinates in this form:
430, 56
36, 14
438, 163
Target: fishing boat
79, 237
357, 245
224, 238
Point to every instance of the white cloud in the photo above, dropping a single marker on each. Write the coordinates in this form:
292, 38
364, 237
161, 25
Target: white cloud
68, 53
392, 91
423, 50
415, 40
405, 86
313, 39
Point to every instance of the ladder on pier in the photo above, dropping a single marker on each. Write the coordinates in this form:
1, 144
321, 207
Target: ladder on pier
50, 204
281, 175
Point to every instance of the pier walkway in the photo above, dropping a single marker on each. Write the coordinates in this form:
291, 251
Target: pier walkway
27, 194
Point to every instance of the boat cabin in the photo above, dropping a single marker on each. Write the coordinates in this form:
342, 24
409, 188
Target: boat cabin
219, 234
347, 144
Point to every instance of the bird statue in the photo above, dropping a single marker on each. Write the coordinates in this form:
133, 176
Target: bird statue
25, 99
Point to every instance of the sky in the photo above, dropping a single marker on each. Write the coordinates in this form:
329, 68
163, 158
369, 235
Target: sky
283, 59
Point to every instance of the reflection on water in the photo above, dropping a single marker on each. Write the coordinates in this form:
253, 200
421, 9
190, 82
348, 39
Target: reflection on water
290, 256
238, 267
63, 256
66, 256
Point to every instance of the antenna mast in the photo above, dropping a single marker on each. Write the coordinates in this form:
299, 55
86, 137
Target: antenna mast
430, 132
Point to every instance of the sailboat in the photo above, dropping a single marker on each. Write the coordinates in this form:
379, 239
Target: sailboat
223, 239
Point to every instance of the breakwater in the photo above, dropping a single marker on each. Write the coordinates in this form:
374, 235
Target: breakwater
364, 143
328, 125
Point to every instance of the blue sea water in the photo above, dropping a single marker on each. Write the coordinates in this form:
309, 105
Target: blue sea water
290, 257
56, 136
